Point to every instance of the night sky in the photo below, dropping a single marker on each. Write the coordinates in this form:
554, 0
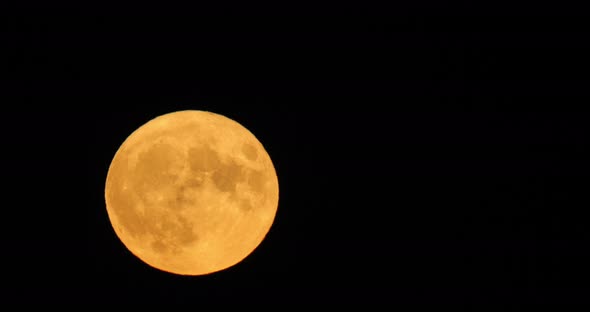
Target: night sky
422, 155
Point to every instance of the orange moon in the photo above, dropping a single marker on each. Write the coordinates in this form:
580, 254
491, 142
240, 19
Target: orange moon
191, 192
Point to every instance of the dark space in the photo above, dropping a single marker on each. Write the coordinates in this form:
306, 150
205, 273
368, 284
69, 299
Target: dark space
425, 154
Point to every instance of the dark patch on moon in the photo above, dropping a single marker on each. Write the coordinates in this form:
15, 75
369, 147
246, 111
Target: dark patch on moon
153, 169
193, 182
227, 177
183, 193
256, 180
249, 151
246, 205
159, 247
203, 159
186, 235
180, 198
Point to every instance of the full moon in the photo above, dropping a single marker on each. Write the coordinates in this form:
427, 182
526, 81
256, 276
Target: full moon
191, 192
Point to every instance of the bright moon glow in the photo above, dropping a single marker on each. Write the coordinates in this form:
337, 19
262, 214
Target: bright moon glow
191, 192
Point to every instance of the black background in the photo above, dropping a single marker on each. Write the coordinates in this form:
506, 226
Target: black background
425, 153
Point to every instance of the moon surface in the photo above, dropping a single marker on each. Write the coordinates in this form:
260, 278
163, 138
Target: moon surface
191, 192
